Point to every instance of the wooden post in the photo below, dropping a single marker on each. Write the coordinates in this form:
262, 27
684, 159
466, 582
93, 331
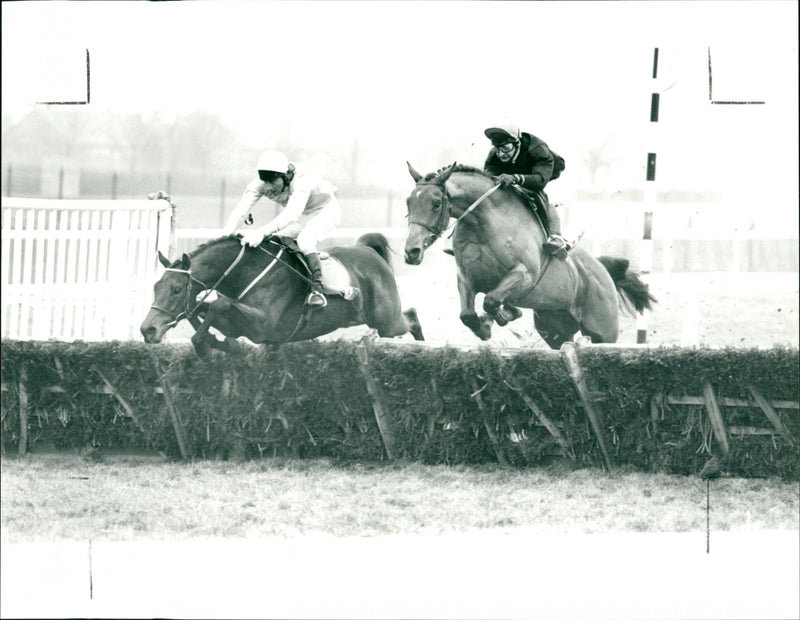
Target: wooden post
476, 394
569, 356
438, 409
378, 403
656, 410
771, 414
173, 413
545, 421
23, 411
715, 416
124, 403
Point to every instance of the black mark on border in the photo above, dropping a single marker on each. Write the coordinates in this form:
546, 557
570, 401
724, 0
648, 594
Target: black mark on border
711, 96
88, 88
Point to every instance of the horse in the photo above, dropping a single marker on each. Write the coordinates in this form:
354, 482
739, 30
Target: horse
260, 293
497, 244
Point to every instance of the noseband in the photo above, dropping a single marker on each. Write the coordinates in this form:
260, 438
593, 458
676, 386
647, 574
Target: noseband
444, 214
186, 313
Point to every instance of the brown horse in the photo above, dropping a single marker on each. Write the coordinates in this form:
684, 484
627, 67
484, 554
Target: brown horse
261, 294
497, 245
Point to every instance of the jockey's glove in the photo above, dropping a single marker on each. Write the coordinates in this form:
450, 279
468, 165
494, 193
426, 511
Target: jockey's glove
252, 238
508, 179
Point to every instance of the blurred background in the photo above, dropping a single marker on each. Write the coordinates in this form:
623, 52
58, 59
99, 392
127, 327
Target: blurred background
182, 97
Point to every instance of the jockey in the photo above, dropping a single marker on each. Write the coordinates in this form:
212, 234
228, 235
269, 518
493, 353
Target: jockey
310, 211
522, 159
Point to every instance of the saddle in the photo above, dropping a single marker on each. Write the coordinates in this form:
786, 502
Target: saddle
537, 202
335, 277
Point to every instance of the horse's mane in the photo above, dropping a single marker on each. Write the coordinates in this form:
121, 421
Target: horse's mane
460, 168
211, 242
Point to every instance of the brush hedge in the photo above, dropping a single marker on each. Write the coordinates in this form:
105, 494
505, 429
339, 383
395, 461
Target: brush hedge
445, 405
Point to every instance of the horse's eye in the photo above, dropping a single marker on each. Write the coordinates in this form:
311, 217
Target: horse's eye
176, 288
437, 204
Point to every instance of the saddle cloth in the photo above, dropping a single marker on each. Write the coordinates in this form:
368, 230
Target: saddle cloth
335, 277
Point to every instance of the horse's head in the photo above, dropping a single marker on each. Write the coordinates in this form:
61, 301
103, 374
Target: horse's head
172, 300
428, 212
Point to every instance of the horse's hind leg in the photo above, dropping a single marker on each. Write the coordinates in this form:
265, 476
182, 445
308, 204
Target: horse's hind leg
413, 324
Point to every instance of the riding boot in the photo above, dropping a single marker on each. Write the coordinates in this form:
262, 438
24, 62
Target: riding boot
556, 245
316, 298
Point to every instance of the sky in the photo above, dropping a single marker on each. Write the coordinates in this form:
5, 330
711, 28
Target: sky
406, 78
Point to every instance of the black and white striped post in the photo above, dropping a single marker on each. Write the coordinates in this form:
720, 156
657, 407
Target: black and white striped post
646, 250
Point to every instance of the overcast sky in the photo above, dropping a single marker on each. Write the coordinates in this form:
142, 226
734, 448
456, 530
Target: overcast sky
407, 77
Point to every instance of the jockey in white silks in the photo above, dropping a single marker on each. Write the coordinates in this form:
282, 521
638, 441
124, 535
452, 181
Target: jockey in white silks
310, 211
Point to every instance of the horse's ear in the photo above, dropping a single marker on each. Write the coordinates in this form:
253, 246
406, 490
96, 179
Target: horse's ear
414, 174
446, 174
163, 259
185, 262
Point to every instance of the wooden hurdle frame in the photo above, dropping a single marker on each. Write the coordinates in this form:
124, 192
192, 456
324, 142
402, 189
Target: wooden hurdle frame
80, 269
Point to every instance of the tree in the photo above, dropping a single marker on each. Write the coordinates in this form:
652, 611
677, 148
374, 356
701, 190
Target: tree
598, 157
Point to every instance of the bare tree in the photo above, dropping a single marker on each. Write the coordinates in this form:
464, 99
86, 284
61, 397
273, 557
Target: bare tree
599, 157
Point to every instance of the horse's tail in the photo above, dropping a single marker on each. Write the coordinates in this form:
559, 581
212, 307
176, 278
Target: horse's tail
379, 243
633, 293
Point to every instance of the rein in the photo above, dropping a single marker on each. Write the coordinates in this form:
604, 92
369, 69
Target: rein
446, 213
469, 209
187, 313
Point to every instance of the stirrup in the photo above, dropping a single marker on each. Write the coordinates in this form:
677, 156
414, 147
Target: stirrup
557, 246
316, 299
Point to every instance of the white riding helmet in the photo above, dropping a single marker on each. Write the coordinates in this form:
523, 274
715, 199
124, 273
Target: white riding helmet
504, 128
273, 161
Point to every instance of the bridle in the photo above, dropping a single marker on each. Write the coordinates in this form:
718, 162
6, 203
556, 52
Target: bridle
188, 312
446, 211
444, 214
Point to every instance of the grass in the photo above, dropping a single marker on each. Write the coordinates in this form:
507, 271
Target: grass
63, 497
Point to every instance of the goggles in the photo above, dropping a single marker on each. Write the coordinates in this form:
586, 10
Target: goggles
268, 176
505, 149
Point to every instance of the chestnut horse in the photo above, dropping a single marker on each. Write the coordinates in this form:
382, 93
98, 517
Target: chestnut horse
497, 243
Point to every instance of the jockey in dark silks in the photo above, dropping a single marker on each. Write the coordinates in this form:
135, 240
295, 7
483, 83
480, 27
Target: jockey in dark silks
524, 160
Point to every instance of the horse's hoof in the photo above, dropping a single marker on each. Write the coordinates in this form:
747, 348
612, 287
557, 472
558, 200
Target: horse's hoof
502, 317
485, 330
513, 312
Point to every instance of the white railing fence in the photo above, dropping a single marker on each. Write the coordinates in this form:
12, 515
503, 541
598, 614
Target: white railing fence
80, 269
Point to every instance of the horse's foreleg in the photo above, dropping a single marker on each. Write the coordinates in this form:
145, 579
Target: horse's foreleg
480, 326
233, 319
515, 284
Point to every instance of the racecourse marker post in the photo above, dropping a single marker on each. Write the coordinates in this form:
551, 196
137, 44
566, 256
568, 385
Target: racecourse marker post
646, 252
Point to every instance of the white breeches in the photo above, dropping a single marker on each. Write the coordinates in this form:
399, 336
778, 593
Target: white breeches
310, 229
